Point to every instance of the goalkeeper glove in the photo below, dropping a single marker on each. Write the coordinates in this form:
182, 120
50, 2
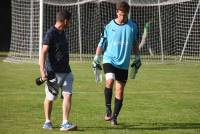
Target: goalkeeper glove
135, 67
147, 25
97, 59
96, 66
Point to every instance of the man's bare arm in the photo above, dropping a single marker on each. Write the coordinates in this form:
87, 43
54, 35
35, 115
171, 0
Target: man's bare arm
44, 52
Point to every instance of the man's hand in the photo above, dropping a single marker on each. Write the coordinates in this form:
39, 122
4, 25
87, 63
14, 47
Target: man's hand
137, 61
96, 66
147, 25
135, 65
97, 62
97, 59
39, 81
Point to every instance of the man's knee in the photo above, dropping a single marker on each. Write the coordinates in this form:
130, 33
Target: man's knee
67, 95
109, 83
110, 77
119, 95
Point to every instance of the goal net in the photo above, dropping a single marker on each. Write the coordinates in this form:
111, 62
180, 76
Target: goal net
173, 36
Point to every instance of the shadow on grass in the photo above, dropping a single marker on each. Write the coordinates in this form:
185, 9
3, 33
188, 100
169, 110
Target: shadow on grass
150, 126
78, 129
161, 126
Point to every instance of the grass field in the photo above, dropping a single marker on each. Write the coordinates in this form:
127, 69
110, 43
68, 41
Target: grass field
163, 99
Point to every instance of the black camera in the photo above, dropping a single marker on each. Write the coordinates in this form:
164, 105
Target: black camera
39, 81
50, 76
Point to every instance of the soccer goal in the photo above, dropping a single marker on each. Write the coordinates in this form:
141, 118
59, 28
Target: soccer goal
173, 36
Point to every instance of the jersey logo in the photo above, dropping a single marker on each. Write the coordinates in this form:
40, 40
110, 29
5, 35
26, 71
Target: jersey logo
113, 30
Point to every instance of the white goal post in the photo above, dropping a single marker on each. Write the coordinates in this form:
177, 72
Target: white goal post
173, 36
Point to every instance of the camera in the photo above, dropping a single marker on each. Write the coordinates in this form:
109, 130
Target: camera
39, 81
50, 77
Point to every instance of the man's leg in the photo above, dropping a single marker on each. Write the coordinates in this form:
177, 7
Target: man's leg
66, 125
47, 109
119, 94
48, 104
110, 78
66, 106
108, 98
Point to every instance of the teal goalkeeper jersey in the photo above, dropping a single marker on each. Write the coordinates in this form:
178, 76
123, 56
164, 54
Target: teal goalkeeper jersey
117, 41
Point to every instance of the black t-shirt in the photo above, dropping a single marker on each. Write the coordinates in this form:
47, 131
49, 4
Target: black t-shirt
58, 53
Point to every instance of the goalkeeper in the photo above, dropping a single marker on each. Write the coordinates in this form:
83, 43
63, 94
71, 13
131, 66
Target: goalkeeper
54, 58
117, 41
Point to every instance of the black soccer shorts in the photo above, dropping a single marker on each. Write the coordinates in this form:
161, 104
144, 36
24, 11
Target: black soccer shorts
120, 74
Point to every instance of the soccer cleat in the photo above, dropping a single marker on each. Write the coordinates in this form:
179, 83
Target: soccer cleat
108, 117
68, 127
113, 122
48, 125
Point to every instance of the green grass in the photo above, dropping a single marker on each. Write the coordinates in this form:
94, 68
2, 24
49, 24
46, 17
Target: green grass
163, 99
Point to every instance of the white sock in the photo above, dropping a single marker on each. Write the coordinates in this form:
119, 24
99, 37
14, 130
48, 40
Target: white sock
65, 121
47, 121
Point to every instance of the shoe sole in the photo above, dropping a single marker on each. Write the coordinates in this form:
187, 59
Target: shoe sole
69, 129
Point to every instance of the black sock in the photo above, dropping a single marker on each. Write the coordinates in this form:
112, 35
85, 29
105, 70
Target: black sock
108, 99
118, 106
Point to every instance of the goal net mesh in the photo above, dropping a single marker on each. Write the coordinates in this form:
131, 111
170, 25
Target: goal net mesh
173, 36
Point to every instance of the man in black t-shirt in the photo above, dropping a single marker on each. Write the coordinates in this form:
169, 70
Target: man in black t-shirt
56, 71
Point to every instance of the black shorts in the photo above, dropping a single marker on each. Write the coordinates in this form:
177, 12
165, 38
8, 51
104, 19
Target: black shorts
120, 74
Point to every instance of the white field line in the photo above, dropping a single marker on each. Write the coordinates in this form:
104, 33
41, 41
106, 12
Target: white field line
144, 92
167, 69
92, 92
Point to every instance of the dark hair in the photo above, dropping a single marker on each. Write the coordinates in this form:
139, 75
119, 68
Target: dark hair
123, 6
62, 15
